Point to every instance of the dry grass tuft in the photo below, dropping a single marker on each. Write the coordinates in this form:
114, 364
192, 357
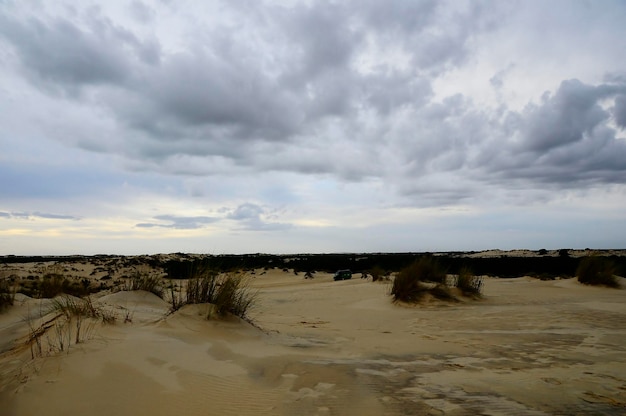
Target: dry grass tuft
425, 276
145, 279
7, 293
595, 270
229, 293
469, 284
414, 281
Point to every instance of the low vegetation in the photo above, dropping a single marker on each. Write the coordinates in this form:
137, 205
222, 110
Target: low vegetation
379, 274
414, 281
595, 270
51, 281
229, 293
145, 279
66, 320
426, 276
54, 283
77, 311
469, 284
7, 293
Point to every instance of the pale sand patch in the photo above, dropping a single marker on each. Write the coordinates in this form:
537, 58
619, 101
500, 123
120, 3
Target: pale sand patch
323, 347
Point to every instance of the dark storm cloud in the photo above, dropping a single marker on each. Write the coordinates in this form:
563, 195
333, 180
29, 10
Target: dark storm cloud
565, 118
338, 89
418, 28
322, 39
389, 92
178, 222
455, 152
196, 92
619, 111
405, 17
567, 139
279, 80
60, 53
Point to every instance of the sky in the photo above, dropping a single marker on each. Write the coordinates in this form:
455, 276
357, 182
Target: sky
278, 126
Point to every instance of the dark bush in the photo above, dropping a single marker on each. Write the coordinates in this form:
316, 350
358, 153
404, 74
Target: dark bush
229, 293
7, 294
426, 269
52, 285
468, 283
408, 286
597, 271
378, 273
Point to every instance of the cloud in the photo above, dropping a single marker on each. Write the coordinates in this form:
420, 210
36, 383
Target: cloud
619, 111
57, 52
37, 215
293, 75
498, 79
251, 217
317, 89
565, 118
178, 222
141, 12
566, 140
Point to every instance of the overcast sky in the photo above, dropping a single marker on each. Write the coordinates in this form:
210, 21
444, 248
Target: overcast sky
130, 127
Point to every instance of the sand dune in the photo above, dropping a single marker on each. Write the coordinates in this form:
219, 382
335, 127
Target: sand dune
320, 347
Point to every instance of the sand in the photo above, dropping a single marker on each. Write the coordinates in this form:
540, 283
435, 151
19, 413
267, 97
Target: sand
319, 347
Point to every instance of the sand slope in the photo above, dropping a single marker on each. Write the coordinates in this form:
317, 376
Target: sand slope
323, 347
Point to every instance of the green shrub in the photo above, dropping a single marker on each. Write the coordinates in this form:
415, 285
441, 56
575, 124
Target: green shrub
595, 270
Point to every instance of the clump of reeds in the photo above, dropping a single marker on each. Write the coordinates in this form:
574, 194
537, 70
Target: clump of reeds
414, 281
65, 321
379, 274
79, 309
7, 293
425, 276
229, 293
595, 270
144, 279
468, 283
